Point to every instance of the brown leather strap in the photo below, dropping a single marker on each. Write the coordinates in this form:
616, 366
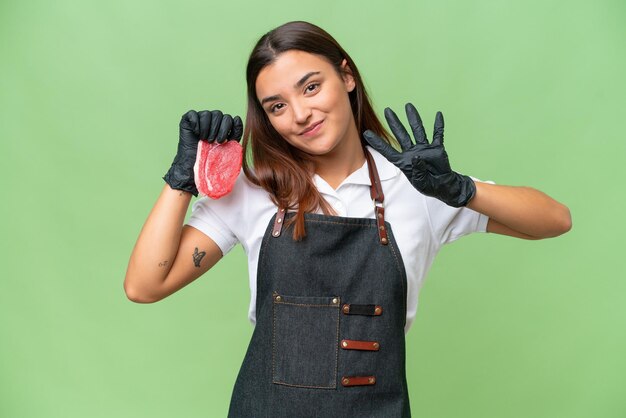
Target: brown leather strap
380, 221
278, 222
360, 345
376, 191
358, 380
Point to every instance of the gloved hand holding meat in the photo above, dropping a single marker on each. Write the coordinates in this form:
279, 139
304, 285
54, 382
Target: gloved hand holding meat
209, 154
425, 164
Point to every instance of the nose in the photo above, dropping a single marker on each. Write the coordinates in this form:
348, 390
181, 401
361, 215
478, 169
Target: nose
301, 112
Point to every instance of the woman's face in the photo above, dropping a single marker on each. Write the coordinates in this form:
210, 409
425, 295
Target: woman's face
300, 90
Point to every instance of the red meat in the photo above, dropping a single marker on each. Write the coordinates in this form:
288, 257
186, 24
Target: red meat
217, 167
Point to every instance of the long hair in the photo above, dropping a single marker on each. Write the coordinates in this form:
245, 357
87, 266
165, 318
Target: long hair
281, 169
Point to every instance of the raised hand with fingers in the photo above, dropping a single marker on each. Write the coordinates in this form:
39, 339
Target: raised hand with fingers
425, 164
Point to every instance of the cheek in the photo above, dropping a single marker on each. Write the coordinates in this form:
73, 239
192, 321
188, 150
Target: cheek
338, 99
341, 108
279, 124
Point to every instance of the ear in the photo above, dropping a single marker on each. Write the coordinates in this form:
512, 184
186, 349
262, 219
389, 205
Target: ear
348, 79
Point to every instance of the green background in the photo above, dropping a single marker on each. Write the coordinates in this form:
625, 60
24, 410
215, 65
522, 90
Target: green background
91, 94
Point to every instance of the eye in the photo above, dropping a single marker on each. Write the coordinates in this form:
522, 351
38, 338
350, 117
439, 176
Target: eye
273, 108
312, 85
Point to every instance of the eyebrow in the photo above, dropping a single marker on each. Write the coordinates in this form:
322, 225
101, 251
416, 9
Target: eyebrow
295, 86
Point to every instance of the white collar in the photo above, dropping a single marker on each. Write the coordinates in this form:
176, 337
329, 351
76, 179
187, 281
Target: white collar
386, 171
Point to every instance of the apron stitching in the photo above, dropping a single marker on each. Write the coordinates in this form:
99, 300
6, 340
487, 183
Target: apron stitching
305, 304
305, 386
337, 349
397, 261
402, 279
264, 244
273, 340
345, 223
334, 385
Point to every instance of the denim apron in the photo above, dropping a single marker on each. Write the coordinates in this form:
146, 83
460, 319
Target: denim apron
330, 317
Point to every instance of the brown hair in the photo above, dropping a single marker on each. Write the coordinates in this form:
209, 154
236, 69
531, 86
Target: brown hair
280, 168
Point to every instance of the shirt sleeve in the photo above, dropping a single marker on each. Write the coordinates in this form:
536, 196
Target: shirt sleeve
449, 223
206, 217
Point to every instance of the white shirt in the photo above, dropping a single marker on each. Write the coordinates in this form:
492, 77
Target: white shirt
420, 224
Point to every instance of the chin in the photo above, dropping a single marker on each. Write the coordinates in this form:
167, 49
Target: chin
314, 146
322, 149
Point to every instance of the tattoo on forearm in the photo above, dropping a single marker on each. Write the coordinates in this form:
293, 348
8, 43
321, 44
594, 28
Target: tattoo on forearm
163, 263
197, 256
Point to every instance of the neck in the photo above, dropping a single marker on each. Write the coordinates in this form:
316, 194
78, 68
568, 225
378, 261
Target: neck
342, 161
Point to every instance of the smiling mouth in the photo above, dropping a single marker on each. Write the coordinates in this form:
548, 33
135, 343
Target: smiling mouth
312, 127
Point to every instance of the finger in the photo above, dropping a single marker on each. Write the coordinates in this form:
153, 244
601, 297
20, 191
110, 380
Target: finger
398, 129
237, 129
380, 145
438, 131
416, 124
225, 125
204, 120
216, 118
189, 121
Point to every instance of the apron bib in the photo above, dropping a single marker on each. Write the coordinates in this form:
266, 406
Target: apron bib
330, 316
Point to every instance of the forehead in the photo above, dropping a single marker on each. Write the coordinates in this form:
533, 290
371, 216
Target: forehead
287, 69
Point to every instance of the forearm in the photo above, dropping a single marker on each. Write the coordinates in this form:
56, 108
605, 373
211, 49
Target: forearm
521, 208
158, 242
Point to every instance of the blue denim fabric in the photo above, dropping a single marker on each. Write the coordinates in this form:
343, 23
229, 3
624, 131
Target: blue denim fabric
294, 363
305, 328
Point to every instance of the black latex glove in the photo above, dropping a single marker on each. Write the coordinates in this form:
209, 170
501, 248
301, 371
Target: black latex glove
194, 126
425, 165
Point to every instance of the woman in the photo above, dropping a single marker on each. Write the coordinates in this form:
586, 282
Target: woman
339, 227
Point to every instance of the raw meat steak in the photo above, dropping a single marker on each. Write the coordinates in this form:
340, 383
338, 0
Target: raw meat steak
217, 167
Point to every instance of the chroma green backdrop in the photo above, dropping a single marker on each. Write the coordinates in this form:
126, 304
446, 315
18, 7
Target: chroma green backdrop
91, 94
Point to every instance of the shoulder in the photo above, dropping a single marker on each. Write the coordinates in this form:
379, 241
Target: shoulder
243, 191
238, 208
242, 203
240, 214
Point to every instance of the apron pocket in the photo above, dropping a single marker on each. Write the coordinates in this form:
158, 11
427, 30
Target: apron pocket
305, 340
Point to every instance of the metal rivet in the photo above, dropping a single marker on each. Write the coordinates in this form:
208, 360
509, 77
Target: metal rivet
380, 215
282, 210
279, 220
346, 308
384, 240
275, 233
345, 380
371, 379
377, 310
344, 343
335, 300
278, 298
376, 345
382, 228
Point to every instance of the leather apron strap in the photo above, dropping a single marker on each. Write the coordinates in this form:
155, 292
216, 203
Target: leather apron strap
376, 192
